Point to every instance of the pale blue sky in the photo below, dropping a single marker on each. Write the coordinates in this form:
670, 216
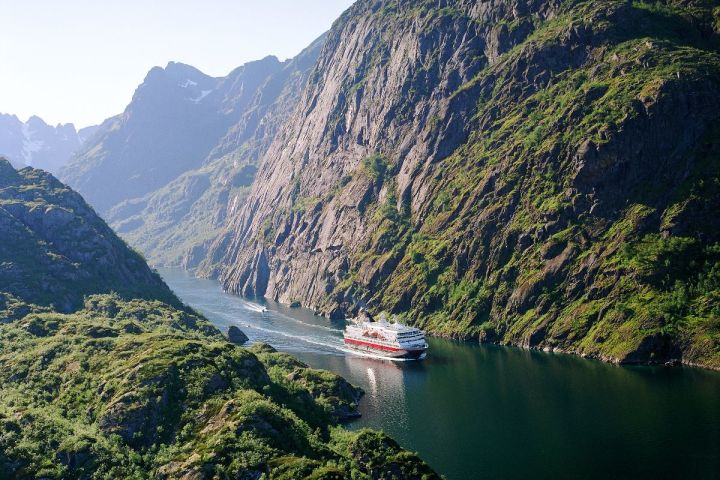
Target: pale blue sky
80, 60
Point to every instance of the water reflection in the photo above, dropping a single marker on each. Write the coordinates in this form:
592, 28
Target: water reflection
384, 384
372, 381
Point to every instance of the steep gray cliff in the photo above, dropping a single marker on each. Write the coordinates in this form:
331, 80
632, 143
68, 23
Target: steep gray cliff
387, 86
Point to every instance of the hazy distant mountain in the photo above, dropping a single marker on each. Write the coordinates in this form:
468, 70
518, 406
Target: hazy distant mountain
177, 116
38, 144
84, 134
182, 156
178, 223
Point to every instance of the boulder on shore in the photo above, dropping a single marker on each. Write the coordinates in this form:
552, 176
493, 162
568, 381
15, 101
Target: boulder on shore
236, 336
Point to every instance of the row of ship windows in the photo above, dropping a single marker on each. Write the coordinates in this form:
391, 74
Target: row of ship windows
384, 340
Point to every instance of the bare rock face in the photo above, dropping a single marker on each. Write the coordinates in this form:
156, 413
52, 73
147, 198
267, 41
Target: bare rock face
389, 82
181, 223
385, 83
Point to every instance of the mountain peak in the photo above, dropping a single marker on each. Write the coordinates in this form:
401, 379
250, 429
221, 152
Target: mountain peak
37, 143
268, 59
9, 116
176, 73
5, 164
171, 65
34, 121
181, 69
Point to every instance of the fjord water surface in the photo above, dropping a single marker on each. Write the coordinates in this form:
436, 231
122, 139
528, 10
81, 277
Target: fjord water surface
501, 413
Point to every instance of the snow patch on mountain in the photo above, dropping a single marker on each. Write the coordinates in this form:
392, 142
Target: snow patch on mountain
202, 95
30, 146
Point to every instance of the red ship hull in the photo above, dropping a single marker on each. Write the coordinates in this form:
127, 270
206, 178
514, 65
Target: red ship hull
384, 350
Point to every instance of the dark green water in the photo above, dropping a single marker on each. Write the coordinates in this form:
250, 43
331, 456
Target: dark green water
494, 412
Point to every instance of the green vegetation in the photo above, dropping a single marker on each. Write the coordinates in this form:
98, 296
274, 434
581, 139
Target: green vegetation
304, 204
54, 249
570, 218
139, 389
375, 166
135, 385
177, 224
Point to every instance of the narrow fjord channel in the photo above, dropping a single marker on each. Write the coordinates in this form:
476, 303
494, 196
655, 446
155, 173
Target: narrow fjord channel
492, 412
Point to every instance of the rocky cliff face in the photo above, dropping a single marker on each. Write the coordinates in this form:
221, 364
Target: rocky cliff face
535, 173
167, 172
54, 249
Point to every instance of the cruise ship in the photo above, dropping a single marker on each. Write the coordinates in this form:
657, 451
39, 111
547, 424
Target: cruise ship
388, 339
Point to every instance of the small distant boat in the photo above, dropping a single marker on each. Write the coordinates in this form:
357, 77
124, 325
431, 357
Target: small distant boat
387, 339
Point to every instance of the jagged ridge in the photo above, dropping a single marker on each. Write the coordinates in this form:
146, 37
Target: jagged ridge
179, 223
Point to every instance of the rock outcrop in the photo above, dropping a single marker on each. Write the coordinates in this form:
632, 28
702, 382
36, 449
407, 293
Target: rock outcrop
236, 336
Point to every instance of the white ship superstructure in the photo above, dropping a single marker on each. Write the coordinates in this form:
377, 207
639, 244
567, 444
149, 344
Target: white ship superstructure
389, 339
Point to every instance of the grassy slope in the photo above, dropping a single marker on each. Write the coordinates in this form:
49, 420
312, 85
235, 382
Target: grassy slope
54, 249
138, 389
